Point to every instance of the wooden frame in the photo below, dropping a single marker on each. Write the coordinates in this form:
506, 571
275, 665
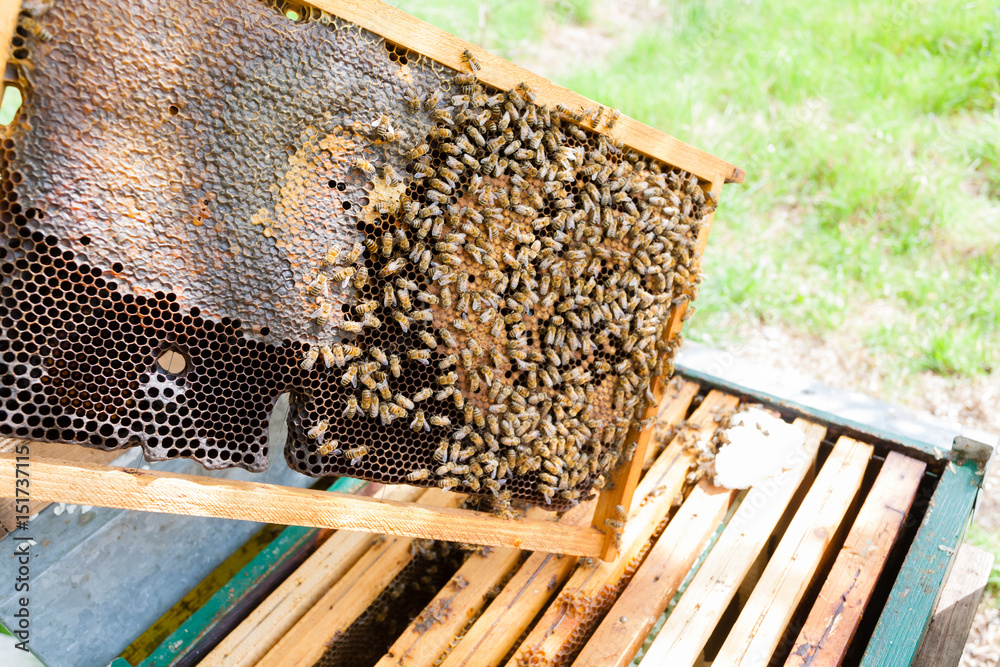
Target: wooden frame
101, 485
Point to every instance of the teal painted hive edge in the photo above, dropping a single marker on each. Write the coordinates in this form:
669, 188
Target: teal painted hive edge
907, 613
923, 449
186, 639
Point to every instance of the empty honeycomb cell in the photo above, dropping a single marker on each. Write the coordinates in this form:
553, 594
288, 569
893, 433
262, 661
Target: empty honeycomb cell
454, 284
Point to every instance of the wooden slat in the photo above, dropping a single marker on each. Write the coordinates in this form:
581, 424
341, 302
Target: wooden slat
793, 564
340, 606
630, 620
525, 595
907, 612
428, 637
626, 476
833, 620
956, 609
274, 617
689, 626
8, 513
155, 491
436, 44
558, 628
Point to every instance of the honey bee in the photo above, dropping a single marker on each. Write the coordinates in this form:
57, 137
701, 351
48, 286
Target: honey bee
318, 286
418, 151
350, 408
404, 300
395, 266
613, 118
427, 298
446, 301
402, 320
371, 322
412, 100
425, 261
352, 352
321, 315
418, 475
356, 453
344, 274
428, 339
350, 376
309, 359
440, 420
525, 90
440, 133
469, 59
423, 356
319, 429
448, 482
419, 422
394, 366
365, 166
355, 252
361, 277
329, 448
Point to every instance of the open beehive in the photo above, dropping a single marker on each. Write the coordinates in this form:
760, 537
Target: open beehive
463, 275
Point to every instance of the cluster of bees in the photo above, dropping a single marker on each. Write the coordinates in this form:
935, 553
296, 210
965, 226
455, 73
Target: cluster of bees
533, 266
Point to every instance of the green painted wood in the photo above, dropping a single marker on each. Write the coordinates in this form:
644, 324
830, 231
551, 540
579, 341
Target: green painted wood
908, 611
180, 644
119, 662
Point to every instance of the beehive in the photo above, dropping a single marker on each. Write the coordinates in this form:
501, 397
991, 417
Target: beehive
457, 284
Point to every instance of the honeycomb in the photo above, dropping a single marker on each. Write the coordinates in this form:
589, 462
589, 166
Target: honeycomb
455, 285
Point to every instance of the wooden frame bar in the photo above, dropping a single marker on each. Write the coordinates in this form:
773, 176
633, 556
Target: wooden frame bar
340, 606
77, 483
626, 476
281, 610
615, 643
9, 11
557, 629
948, 632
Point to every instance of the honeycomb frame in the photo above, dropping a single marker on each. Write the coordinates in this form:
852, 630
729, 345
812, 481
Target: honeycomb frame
92, 297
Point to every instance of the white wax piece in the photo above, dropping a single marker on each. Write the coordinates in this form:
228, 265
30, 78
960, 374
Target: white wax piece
760, 447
